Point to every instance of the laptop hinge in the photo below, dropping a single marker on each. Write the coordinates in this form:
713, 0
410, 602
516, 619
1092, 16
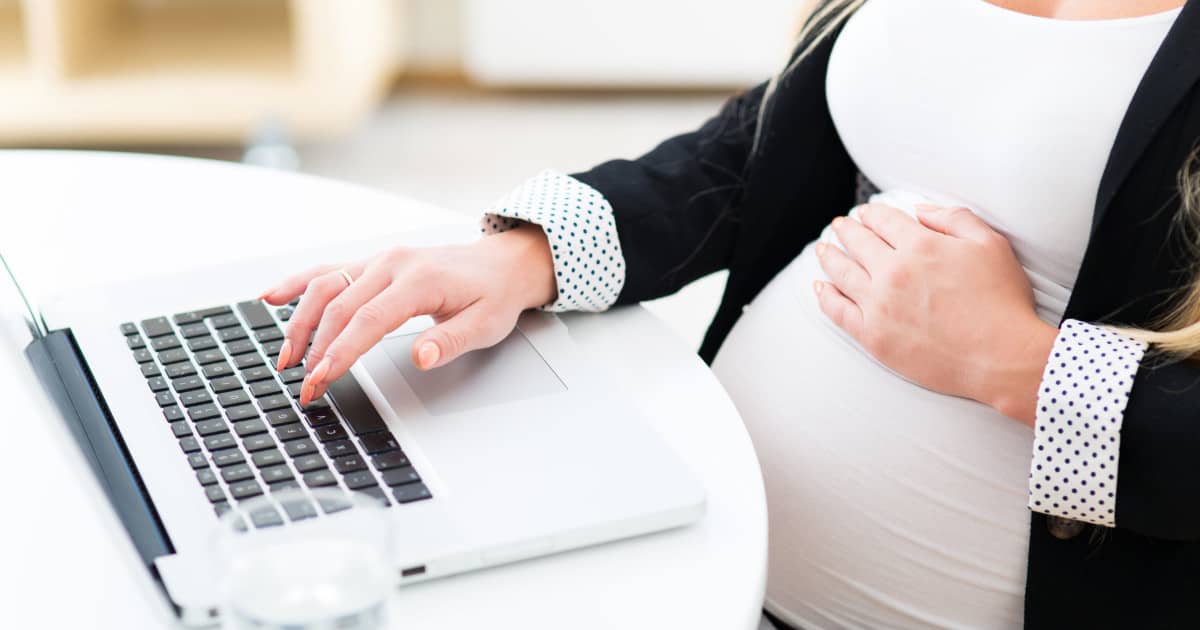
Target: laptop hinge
65, 377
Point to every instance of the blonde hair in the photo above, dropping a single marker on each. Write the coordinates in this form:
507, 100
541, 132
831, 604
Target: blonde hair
1178, 331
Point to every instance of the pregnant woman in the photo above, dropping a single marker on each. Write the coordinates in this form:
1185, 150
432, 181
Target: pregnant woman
960, 316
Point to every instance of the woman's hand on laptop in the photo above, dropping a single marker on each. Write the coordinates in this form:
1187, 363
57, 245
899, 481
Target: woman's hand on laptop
473, 292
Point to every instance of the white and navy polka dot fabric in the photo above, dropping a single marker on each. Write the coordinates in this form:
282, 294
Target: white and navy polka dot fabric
578, 222
1081, 404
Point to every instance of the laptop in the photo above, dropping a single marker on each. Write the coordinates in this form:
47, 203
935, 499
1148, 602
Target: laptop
170, 388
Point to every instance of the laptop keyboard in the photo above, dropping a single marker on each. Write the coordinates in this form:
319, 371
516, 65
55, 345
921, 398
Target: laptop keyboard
239, 422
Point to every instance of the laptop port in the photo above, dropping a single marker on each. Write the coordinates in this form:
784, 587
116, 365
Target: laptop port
412, 571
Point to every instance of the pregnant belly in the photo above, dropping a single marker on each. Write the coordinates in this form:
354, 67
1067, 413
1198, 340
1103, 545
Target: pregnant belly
890, 505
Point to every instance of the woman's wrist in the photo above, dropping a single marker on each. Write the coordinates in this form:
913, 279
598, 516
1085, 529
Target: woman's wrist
1009, 380
524, 253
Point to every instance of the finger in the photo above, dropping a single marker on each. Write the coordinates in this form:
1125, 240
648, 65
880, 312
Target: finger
845, 273
861, 243
380, 315
317, 294
954, 221
892, 225
471, 329
283, 292
839, 308
342, 308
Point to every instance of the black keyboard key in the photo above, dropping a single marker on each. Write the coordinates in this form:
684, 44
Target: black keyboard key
219, 442
263, 459
265, 517
295, 302
296, 448
292, 374
264, 388
271, 403
231, 334
204, 412
340, 448
234, 398
331, 432
241, 412
216, 370
247, 361
222, 509
349, 464
128, 328
200, 344
284, 313
280, 417
206, 476
319, 478
135, 342
195, 397
389, 460
157, 384
256, 314
308, 463
197, 461
190, 317
166, 342
225, 384
173, 413
193, 330
236, 473
205, 357
293, 389
214, 493
360, 479
256, 374
319, 404
268, 334
211, 427
228, 457
225, 321
189, 445
245, 489
240, 347
275, 474
165, 399
273, 347
299, 510
356, 408
187, 384
320, 417
377, 493
374, 443
280, 486
149, 370
246, 428
411, 492
259, 442
156, 327
334, 504
290, 432
177, 370
400, 476
142, 355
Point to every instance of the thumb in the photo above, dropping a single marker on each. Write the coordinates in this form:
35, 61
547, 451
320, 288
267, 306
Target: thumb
953, 221
471, 329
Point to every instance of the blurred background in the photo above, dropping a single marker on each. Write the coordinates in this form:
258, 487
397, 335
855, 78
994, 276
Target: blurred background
449, 101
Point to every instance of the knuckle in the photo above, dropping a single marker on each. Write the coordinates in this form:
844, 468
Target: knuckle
336, 312
371, 315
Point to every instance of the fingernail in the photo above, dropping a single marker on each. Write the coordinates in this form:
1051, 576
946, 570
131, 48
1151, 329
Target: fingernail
306, 391
322, 370
821, 249
817, 286
837, 221
285, 355
428, 355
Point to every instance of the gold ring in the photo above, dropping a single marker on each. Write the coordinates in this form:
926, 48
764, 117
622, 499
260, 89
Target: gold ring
346, 275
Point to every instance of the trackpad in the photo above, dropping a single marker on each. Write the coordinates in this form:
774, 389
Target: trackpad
511, 370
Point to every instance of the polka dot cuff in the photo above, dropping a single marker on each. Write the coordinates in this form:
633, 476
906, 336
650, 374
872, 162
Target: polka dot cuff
1081, 404
578, 221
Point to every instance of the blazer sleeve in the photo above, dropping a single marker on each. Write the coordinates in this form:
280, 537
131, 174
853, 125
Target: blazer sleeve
676, 208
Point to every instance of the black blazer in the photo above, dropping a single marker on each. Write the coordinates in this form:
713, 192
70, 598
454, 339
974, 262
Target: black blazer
709, 200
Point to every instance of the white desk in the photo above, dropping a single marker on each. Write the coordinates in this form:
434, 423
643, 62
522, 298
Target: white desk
66, 561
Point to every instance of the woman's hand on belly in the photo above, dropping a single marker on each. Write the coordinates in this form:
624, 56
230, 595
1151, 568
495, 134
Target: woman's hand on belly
941, 300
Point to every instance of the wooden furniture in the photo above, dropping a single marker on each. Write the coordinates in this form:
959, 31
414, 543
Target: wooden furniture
196, 71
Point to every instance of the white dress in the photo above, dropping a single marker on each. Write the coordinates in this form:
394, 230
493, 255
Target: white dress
891, 505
